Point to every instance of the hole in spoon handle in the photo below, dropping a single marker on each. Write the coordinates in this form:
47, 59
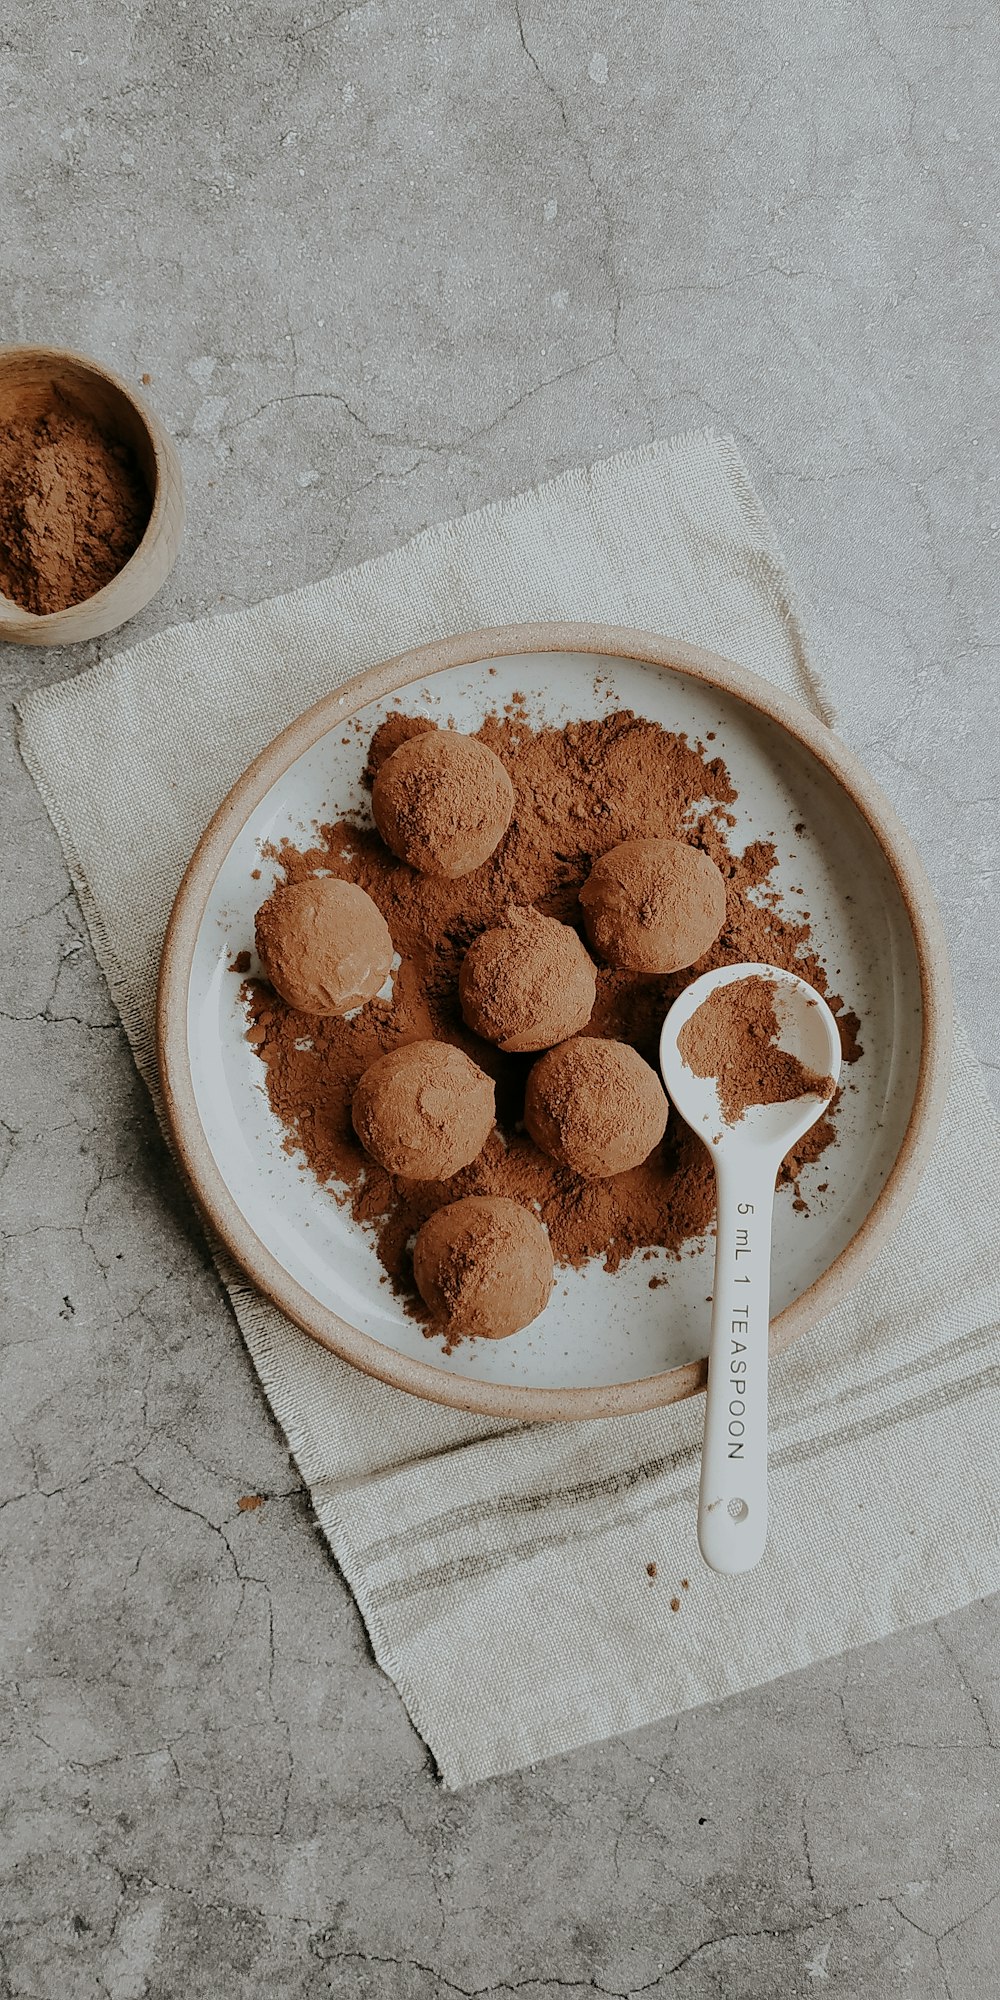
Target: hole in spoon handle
732, 1503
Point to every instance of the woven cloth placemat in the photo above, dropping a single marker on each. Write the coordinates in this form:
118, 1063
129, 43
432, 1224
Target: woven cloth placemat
501, 1572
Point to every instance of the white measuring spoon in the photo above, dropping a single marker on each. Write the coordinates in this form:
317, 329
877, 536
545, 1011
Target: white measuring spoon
732, 1502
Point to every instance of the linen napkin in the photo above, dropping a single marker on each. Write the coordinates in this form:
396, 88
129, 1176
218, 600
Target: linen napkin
501, 1572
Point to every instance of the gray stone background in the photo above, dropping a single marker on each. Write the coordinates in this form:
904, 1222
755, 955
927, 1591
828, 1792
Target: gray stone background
383, 262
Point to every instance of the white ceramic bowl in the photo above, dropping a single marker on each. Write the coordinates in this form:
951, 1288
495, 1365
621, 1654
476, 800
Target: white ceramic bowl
606, 1342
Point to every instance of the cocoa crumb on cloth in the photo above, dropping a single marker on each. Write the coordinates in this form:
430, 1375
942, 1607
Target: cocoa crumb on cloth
580, 790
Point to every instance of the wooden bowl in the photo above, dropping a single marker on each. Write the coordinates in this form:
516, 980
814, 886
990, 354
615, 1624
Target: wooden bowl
30, 373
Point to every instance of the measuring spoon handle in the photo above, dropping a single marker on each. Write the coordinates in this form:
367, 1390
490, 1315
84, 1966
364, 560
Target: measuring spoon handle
732, 1502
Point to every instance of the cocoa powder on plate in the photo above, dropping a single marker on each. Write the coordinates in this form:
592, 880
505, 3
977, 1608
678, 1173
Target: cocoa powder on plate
579, 791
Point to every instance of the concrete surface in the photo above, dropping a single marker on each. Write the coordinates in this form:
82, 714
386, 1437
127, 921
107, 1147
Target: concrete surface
384, 261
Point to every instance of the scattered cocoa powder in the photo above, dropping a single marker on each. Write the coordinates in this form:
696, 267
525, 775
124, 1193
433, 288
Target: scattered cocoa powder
580, 790
651, 1572
733, 1037
675, 1604
396, 729
73, 505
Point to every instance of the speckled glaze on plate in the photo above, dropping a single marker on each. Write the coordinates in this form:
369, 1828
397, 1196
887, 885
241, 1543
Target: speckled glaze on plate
605, 1343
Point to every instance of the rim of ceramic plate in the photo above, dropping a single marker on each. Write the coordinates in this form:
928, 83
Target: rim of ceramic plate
421, 1378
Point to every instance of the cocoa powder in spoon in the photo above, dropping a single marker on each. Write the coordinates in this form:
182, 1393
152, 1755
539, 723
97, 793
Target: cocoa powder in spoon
733, 1037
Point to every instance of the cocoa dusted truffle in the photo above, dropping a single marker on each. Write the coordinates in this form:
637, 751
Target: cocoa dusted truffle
442, 802
423, 1111
653, 905
527, 984
323, 944
483, 1266
595, 1106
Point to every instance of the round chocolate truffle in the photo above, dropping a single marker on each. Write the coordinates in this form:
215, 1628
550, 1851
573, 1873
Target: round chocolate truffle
527, 984
595, 1106
323, 944
442, 802
653, 905
484, 1266
423, 1111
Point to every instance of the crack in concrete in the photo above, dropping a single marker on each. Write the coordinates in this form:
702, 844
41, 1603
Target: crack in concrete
810, 1923
974, 1696
810, 1871
494, 1990
890, 57
944, 1974
330, 20
439, 447
603, 209
67, 895
182, 1507
59, 1020
70, 1486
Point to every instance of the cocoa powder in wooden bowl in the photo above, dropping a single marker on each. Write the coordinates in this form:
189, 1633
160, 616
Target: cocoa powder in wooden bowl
91, 509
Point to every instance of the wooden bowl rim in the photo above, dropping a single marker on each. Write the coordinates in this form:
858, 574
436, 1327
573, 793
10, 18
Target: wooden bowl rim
13, 616
421, 1378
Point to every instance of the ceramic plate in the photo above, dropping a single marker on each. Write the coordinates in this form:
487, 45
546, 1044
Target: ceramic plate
605, 1342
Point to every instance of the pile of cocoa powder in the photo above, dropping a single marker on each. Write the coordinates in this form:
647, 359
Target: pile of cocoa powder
73, 504
580, 790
